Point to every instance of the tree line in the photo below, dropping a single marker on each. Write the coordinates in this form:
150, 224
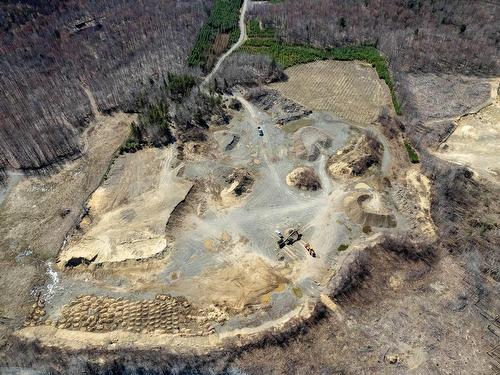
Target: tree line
457, 36
223, 19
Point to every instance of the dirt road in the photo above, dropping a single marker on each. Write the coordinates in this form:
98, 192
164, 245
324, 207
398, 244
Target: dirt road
238, 44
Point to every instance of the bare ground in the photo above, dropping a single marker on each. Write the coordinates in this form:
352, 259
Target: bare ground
218, 250
476, 139
129, 211
352, 90
38, 212
221, 251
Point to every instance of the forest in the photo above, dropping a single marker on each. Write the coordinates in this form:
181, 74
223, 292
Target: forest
116, 49
176, 110
456, 36
223, 20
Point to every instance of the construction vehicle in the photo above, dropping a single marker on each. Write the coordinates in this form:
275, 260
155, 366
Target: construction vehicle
291, 236
310, 250
281, 239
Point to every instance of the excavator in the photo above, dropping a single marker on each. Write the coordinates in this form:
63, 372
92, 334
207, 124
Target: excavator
291, 236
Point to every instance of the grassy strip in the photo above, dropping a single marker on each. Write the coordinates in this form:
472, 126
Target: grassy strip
223, 18
411, 153
254, 30
291, 54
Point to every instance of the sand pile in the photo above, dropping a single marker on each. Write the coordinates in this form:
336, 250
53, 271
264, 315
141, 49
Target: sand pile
367, 209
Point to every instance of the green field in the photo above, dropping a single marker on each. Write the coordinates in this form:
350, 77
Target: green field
223, 18
261, 41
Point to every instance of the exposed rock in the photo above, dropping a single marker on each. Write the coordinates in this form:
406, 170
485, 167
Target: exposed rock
243, 179
356, 158
247, 69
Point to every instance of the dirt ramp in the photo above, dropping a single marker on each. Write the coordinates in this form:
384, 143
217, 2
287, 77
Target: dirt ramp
309, 141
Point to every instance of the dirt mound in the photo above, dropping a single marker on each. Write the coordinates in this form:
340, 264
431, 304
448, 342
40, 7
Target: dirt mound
366, 209
239, 183
244, 181
226, 140
356, 158
164, 314
304, 178
309, 141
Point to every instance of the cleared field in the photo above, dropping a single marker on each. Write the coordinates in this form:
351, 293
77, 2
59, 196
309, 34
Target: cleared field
476, 140
432, 98
349, 89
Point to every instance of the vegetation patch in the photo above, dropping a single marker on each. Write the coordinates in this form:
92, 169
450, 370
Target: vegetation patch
223, 19
179, 85
132, 144
153, 128
342, 247
261, 40
255, 30
367, 229
154, 121
411, 153
297, 292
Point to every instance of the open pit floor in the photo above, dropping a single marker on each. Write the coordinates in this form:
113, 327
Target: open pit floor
178, 246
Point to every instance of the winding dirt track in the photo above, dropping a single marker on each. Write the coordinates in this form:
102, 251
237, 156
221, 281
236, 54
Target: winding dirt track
241, 40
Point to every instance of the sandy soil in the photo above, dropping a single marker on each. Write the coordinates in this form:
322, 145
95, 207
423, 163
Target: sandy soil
38, 211
129, 211
220, 247
218, 254
476, 139
352, 90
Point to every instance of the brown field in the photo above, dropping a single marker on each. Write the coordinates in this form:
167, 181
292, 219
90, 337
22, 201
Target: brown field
349, 89
220, 45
